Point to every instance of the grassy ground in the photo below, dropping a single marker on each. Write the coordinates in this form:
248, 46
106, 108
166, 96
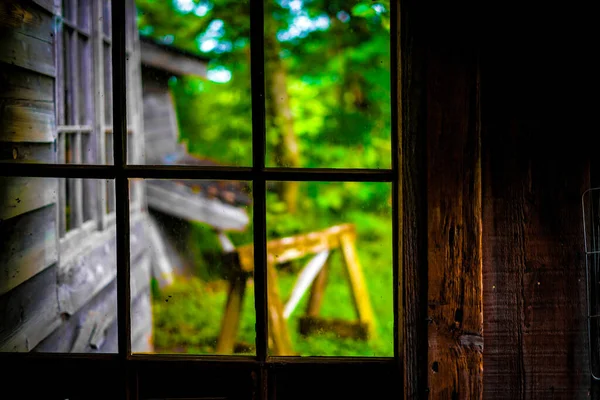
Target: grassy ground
187, 316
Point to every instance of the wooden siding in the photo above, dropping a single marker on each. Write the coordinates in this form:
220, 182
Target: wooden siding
536, 153
455, 317
21, 195
30, 312
29, 245
87, 273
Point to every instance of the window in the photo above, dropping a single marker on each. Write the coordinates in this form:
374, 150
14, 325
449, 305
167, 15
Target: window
99, 140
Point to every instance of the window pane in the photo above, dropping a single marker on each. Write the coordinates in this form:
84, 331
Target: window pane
327, 84
329, 265
57, 266
201, 300
195, 80
55, 86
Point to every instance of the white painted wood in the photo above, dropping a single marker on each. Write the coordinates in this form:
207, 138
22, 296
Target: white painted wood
306, 277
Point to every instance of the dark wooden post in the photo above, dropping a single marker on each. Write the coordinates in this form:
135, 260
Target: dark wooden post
454, 221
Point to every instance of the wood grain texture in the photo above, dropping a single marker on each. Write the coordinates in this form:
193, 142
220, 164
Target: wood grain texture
22, 194
533, 269
413, 197
27, 121
29, 313
29, 245
454, 223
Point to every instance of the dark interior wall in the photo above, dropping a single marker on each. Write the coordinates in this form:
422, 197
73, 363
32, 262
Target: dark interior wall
497, 148
536, 153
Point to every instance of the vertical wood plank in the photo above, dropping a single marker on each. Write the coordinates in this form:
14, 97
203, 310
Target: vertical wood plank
455, 316
231, 318
317, 290
360, 293
98, 104
413, 199
278, 330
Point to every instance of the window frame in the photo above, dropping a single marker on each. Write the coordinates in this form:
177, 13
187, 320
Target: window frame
261, 364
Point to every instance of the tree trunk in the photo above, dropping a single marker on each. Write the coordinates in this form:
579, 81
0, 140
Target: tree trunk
286, 152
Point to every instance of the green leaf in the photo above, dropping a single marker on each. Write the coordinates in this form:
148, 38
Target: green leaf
363, 10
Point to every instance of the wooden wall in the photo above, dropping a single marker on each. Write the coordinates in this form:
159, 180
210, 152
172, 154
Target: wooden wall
53, 297
496, 155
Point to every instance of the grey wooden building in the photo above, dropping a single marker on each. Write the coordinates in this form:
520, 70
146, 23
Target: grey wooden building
58, 236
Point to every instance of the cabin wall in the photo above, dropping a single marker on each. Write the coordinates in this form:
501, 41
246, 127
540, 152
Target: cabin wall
536, 166
57, 295
496, 154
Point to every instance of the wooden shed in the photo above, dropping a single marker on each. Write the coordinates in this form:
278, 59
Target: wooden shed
58, 247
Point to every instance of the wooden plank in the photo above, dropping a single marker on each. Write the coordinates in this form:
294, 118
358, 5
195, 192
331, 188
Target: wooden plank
27, 52
304, 280
27, 19
312, 325
455, 288
52, 6
278, 329
23, 194
168, 59
298, 246
360, 293
15, 152
179, 201
21, 84
231, 317
29, 313
27, 121
533, 271
29, 245
317, 291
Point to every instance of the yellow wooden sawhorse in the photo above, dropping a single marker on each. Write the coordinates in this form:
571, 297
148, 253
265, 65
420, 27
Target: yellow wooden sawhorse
319, 244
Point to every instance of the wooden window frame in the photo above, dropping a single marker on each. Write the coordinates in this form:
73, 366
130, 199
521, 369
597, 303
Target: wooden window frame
407, 206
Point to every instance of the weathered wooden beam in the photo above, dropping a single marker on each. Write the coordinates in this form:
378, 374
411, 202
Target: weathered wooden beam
179, 201
278, 329
298, 246
231, 317
358, 284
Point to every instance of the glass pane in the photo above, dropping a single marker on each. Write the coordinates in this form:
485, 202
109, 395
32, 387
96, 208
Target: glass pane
201, 301
195, 81
55, 86
57, 266
327, 68
330, 270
